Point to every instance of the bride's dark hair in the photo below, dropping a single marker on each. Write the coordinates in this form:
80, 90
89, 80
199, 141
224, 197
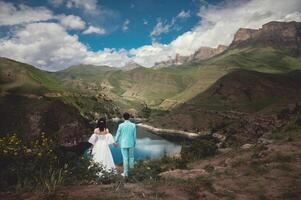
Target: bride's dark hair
102, 124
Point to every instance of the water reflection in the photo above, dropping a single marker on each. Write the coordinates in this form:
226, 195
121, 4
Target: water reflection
148, 146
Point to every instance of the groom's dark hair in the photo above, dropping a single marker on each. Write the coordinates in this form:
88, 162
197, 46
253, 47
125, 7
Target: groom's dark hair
126, 116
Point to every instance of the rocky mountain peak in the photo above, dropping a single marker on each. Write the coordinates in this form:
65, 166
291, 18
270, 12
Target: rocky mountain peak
243, 34
202, 53
275, 34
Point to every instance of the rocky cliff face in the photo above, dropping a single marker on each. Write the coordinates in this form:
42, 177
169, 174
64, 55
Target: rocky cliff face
202, 53
285, 35
207, 52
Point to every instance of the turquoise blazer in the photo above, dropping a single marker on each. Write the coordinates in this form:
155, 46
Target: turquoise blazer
126, 134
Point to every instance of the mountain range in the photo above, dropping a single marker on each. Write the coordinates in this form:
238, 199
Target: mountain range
267, 57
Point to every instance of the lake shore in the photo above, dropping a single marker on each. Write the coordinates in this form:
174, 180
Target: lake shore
161, 131
171, 132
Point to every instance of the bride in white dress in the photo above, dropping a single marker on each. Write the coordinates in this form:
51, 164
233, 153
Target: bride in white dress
101, 139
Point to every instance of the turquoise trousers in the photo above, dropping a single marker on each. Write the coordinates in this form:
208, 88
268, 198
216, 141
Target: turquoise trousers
128, 159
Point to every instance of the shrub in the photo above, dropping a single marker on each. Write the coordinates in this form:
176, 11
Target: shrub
39, 164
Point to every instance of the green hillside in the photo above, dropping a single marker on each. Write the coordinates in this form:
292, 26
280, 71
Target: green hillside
133, 87
261, 59
233, 98
28, 95
165, 88
16, 77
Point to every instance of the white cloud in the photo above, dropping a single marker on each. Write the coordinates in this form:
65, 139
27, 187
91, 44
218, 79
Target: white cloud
46, 45
96, 30
12, 15
161, 27
71, 22
56, 3
149, 54
184, 14
110, 57
125, 25
22, 14
50, 47
86, 5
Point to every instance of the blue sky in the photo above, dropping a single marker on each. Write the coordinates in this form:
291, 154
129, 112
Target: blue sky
54, 34
143, 15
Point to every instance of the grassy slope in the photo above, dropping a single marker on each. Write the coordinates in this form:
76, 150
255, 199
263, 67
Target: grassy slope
258, 59
26, 80
133, 87
167, 87
19, 77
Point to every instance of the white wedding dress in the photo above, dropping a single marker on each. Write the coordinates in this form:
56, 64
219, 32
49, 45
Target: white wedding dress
101, 152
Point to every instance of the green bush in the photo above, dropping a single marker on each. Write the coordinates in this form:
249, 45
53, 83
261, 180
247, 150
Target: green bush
39, 164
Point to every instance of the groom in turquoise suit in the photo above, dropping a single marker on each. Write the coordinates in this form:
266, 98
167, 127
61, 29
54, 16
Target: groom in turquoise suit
126, 138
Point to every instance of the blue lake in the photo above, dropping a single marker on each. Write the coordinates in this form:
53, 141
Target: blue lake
148, 145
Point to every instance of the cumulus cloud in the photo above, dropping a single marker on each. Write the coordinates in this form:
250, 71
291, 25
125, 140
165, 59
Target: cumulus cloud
22, 14
14, 15
110, 57
46, 45
184, 14
50, 47
125, 25
96, 30
71, 22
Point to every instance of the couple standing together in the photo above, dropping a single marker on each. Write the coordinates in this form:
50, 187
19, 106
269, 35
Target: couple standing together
125, 138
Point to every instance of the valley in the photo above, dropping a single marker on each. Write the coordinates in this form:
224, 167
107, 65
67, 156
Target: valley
171, 100
256, 74
236, 115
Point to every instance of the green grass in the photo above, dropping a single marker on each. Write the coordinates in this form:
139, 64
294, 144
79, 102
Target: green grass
262, 59
27, 79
